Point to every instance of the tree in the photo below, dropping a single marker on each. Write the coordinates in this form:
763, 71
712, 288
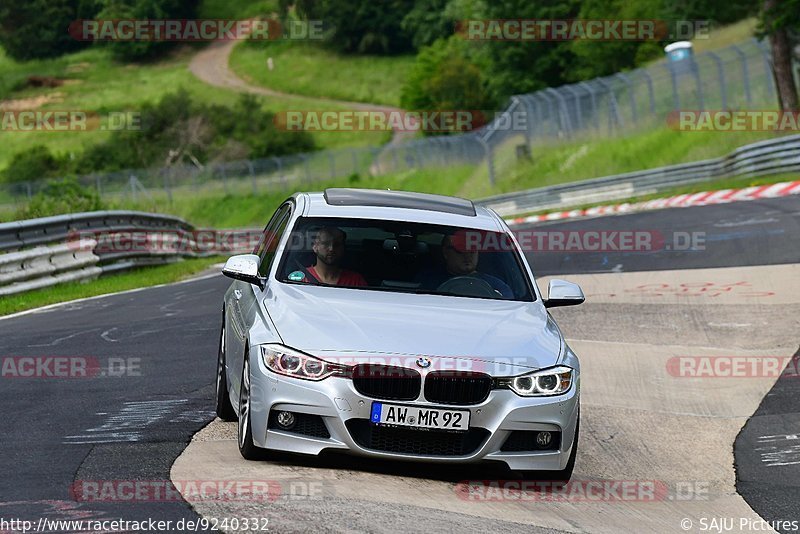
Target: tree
525, 66
778, 17
362, 26
33, 29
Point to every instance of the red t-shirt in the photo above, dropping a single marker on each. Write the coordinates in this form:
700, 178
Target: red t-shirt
346, 278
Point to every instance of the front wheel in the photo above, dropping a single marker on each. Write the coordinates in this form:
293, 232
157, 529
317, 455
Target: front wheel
247, 449
224, 407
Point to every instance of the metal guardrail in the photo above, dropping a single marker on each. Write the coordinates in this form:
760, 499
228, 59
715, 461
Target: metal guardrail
51, 250
763, 158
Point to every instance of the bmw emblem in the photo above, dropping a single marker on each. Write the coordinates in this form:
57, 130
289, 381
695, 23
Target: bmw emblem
424, 362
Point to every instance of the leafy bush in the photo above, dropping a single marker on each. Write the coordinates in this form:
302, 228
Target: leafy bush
447, 77
35, 163
177, 130
61, 196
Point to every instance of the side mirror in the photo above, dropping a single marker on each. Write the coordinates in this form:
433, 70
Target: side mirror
563, 293
244, 267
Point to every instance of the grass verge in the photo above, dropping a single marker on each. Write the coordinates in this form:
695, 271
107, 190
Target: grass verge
308, 69
142, 277
93, 81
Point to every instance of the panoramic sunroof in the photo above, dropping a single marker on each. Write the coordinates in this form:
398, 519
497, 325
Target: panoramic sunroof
398, 199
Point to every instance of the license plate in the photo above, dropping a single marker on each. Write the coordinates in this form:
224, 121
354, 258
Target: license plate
419, 417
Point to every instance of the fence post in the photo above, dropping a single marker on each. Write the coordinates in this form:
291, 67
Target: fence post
676, 99
29, 188
133, 187
627, 82
614, 119
563, 112
252, 176
332, 161
650, 92
696, 72
721, 73
592, 98
354, 160
167, 187
97, 185
577, 106
745, 73
765, 54
489, 160
306, 167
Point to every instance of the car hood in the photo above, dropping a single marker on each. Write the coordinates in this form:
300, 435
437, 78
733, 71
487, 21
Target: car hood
337, 321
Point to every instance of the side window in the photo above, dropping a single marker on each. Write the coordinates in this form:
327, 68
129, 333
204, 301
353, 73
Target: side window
272, 236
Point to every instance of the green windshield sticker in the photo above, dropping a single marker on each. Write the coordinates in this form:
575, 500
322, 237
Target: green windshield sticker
296, 276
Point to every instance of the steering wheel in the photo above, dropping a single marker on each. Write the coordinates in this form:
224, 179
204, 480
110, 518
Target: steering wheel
468, 286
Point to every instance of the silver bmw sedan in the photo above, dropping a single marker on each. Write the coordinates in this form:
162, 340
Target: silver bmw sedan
396, 325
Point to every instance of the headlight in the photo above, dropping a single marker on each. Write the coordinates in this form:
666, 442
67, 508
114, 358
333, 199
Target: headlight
553, 381
289, 362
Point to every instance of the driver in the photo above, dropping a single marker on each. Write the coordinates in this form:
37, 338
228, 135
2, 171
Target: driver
460, 261
328, 248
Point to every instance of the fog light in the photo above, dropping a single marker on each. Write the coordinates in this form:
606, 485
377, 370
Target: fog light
285, 420
543, 439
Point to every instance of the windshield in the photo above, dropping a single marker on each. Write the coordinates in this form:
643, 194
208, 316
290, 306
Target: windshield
404, 257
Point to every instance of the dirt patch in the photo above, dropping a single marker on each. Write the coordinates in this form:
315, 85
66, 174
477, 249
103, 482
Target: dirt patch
43, 81
34, 102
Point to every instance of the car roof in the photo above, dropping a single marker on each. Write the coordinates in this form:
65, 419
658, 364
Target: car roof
399, 206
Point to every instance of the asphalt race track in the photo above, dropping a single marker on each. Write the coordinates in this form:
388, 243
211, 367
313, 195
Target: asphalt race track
59, 433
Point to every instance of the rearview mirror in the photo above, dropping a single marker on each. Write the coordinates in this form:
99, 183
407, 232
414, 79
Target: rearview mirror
244, 267
563, 293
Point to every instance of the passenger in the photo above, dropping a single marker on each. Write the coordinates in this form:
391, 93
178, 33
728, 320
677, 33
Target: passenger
329, 249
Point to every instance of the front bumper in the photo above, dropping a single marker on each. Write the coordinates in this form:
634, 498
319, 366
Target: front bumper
336, 401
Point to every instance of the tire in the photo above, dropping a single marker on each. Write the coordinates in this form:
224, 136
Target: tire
562, 475
247, 449
224, 407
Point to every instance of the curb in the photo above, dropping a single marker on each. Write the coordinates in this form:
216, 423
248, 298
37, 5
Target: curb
704, 198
